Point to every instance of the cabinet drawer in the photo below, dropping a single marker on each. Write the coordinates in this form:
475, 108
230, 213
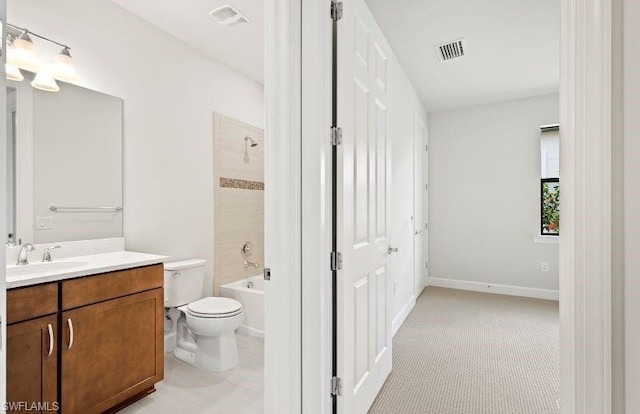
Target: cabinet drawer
31, 302
93, 289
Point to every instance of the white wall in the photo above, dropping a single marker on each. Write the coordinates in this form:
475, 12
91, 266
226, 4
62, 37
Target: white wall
631, 102
170, 92
484, 173
405, 103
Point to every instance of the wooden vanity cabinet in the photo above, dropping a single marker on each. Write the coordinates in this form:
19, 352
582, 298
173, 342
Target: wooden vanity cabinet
32, 366
108, 341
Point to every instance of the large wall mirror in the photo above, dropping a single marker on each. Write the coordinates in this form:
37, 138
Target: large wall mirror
64, 164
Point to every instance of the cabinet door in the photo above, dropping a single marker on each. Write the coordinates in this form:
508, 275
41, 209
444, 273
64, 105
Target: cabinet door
32, 366
111, 352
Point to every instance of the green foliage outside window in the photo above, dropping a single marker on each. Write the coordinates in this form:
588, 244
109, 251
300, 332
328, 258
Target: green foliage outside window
551, 207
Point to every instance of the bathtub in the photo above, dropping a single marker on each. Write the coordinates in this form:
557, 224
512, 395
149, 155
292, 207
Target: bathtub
252, 299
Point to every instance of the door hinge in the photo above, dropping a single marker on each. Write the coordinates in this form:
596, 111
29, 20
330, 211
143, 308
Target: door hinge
336, 10
426, 187
336, 386
336, 260
426, 147
426, 226
336, 136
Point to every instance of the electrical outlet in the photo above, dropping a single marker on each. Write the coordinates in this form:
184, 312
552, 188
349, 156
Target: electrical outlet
44, 223
544, 267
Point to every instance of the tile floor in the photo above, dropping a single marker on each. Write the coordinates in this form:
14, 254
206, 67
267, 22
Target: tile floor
187, 390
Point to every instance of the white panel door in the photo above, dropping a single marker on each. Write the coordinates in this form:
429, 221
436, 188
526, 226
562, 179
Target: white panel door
420, 197
364, 180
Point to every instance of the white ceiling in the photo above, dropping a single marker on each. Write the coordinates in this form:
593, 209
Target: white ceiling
240, 47
512, 48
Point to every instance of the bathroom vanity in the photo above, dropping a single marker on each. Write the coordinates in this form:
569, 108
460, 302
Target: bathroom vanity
85, 342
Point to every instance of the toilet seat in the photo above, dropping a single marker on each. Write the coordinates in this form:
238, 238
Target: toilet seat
214, 307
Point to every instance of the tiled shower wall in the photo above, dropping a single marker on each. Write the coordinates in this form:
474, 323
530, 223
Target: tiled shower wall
238, 199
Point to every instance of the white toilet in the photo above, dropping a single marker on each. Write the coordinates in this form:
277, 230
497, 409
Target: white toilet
206, 327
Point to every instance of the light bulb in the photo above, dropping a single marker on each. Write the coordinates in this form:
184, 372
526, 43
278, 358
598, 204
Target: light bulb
64, 69
22, 53
13, 73
45, 82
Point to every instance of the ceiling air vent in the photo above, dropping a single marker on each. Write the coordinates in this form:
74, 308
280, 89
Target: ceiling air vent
228, 16
451, 50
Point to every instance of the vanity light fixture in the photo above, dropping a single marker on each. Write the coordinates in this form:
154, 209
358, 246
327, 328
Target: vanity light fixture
21, 54
64, 70
45, 82
13, 73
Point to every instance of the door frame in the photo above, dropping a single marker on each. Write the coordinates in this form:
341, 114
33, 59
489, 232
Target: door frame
3, 213
283, 207
586, 100
419, 285
317, 215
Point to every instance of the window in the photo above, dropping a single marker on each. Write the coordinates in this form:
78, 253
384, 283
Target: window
550, 181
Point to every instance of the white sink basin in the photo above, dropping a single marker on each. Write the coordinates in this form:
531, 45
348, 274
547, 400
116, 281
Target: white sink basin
78, 266
39, 268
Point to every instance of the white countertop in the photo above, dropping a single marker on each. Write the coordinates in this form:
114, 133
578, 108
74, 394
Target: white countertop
78, 266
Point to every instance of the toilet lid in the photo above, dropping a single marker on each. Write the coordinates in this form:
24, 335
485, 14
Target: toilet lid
214, 306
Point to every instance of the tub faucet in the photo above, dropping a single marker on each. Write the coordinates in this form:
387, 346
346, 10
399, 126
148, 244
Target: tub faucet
23, 258
248, 264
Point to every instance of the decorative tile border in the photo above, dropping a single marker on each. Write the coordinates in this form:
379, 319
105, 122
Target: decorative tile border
242, 184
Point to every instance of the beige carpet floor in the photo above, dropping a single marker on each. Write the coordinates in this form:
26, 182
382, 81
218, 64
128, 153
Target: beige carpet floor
474, 353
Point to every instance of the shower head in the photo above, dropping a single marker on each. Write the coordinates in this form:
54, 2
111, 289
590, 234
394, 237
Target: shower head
249, 139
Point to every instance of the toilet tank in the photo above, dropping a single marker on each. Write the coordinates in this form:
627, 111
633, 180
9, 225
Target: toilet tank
183, 282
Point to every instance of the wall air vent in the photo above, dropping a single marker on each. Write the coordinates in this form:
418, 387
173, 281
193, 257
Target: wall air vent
228, 16
451, 50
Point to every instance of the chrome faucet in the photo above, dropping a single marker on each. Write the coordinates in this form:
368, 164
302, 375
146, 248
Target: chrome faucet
23, 255
46, 256
248, 264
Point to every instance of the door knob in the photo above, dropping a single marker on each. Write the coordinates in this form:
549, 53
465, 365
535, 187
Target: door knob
392, 249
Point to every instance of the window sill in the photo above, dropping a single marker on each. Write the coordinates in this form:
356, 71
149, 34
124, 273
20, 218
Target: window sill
540, 239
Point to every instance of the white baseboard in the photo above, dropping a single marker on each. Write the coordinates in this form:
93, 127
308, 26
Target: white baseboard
402, 316
494, 288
